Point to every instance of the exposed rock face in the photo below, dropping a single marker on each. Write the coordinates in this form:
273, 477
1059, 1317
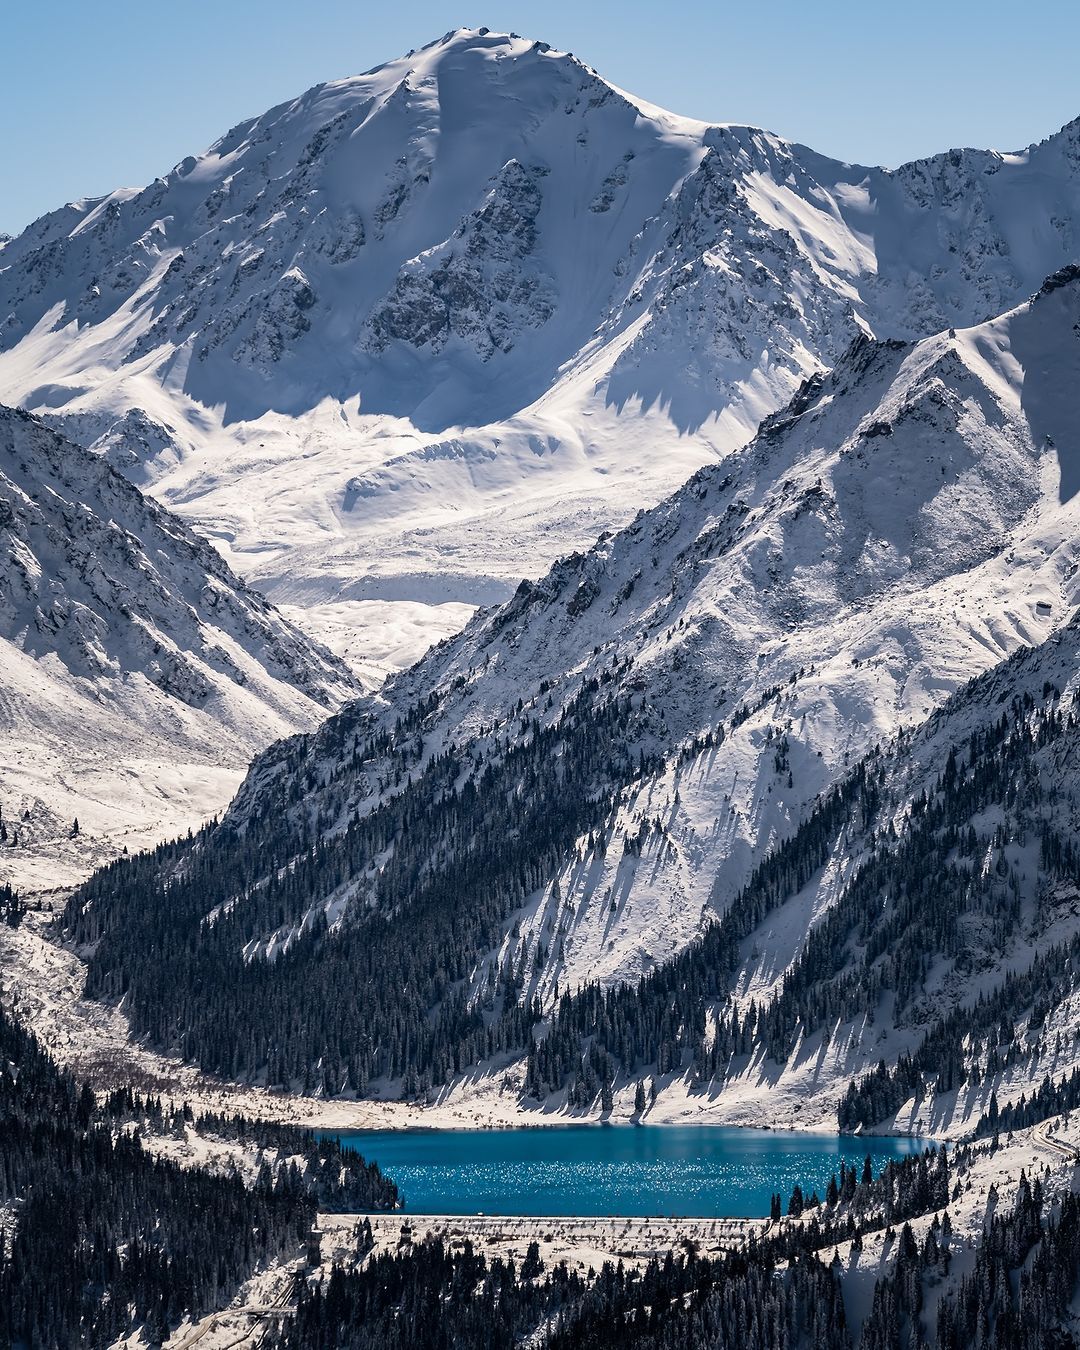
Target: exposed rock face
483, 286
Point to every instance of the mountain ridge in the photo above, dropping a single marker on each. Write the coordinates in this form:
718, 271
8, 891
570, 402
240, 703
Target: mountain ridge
461, 314
139, 672
580, 785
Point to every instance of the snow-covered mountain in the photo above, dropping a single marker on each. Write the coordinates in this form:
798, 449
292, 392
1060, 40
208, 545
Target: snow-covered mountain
580, 783
909, 521
907, 960
410, 336
138, 675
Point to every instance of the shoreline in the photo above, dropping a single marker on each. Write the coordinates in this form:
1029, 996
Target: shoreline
931, 1141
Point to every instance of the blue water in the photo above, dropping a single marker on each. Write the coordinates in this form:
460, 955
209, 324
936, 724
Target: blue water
622, 1170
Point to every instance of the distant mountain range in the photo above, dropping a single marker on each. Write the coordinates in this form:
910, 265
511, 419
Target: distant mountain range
409, 337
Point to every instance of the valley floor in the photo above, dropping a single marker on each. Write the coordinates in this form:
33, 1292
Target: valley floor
44, 982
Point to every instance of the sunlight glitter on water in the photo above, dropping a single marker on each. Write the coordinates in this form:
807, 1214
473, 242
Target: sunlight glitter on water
619, 1170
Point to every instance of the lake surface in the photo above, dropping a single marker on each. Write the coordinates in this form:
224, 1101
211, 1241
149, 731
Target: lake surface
625, 1170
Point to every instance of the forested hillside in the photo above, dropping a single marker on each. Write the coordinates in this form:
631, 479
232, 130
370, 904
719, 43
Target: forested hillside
130, 1240
573, 831
950, 926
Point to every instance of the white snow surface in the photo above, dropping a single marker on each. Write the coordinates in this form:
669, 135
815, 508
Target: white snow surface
903, 527
410, 336
137, 674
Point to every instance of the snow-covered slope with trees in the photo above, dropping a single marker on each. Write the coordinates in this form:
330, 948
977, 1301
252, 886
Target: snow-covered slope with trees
407, 338
924, 917
580, 783
138, 675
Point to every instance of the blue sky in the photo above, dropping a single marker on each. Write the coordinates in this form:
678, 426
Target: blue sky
103, 93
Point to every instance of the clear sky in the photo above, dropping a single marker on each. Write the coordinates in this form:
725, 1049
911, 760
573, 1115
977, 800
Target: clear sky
98, 94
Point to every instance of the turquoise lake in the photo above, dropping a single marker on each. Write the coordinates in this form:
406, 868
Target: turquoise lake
622, 1170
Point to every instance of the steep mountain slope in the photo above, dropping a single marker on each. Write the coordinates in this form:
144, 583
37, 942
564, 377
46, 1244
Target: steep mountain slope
582, 781
924, 916
139, 674
410, 336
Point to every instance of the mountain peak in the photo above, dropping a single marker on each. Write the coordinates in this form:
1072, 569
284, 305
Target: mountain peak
1068, 275
477, 43
478, 305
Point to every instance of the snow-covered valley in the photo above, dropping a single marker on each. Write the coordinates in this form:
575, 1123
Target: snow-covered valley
519, 608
